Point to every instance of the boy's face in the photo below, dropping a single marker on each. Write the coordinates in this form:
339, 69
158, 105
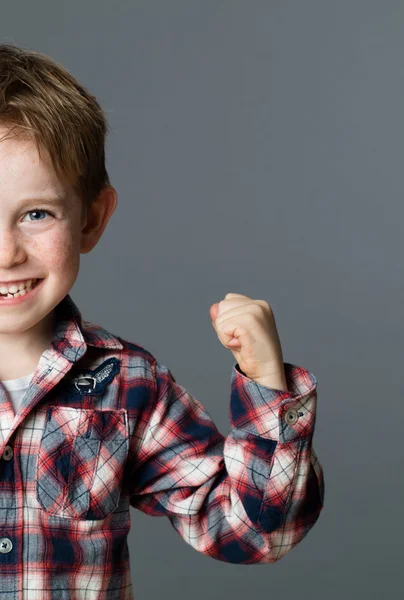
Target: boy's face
35, 243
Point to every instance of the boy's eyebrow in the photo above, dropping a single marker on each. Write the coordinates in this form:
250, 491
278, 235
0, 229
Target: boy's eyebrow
48, 199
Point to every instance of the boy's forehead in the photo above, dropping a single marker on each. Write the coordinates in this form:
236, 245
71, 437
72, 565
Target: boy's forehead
18, 147
23, 170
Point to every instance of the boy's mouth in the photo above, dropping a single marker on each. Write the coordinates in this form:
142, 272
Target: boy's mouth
20, 292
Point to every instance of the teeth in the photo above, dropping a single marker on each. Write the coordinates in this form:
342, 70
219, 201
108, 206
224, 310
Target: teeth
19, 289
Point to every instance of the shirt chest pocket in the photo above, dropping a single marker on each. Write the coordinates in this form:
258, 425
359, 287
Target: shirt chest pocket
81, 461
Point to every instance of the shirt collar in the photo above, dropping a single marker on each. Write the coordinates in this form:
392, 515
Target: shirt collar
72, 333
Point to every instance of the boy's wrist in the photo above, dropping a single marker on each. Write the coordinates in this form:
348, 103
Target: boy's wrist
276, 381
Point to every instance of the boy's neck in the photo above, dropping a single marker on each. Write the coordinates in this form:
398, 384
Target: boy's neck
20, 355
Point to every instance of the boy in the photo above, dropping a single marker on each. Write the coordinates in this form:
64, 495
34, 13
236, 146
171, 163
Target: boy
92, 424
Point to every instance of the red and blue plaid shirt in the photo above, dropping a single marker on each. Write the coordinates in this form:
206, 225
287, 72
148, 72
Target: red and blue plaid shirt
104, 426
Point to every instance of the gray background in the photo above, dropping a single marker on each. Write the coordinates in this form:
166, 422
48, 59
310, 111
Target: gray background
257, 148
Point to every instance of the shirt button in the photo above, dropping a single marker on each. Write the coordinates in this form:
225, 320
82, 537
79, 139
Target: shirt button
6, 545
8, 453
291, 416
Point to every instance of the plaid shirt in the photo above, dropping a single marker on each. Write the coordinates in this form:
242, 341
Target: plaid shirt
104, 426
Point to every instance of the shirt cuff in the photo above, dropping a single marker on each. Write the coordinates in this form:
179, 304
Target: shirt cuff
282, 416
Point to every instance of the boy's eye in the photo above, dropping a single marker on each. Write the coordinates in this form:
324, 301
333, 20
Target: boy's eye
37, 211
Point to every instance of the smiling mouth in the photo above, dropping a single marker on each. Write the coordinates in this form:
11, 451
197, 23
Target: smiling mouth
23, 290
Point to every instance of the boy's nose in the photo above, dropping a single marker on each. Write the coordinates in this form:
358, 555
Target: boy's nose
11, 249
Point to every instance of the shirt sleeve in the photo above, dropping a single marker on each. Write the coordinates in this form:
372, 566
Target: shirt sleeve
248, 497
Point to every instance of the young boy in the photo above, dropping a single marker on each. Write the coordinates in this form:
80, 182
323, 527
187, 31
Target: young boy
91, 424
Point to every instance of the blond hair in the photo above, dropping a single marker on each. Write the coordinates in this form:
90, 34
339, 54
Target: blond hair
40, 97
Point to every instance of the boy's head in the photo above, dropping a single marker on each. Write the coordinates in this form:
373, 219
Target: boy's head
38, 96
52, 144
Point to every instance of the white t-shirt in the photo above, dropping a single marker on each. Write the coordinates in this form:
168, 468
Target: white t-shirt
17, 388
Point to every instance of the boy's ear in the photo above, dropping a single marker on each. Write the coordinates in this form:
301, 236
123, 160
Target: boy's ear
97, 218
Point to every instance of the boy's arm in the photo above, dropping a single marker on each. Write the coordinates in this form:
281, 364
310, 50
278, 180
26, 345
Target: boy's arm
246, 498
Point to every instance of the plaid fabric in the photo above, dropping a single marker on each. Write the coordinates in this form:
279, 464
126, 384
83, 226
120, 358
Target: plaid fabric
104, 427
